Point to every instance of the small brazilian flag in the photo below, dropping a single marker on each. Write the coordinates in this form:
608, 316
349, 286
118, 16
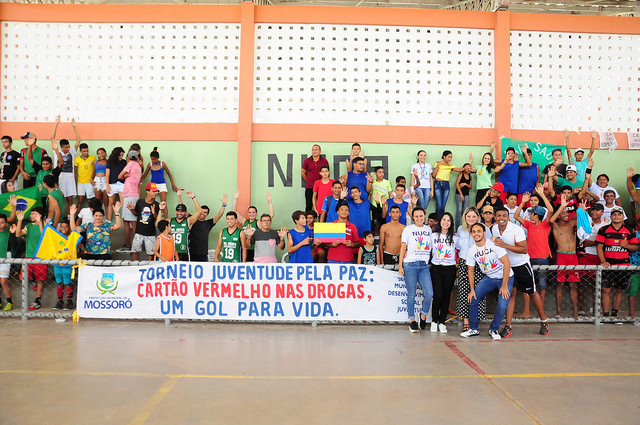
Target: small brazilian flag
25, 200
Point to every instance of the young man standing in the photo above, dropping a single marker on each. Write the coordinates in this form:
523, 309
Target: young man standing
398, 200
181, 226
391, 238
615, 241
146, 211
232, 242
311, 173
359, 211
358, 177
65, 161
579, 161
329, 210
85, 170
10, 162
509, 170
511, 237
199, 233
343, 252
26, 169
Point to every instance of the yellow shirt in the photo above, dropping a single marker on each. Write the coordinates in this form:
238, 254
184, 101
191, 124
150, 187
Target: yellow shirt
85, 168
444, 172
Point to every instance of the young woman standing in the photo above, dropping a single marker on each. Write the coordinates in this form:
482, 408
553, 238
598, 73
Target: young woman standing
443, 270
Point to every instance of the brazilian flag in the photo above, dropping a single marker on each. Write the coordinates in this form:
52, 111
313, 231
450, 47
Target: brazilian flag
26, 199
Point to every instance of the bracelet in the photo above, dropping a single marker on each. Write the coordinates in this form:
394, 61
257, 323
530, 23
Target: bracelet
117, 215
224, 205
588, 171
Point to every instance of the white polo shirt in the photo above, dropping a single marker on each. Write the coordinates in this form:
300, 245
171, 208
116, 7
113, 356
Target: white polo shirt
510, 236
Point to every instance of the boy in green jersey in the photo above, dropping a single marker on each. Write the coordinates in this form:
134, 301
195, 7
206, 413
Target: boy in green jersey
32, 231
231, 242
5, 268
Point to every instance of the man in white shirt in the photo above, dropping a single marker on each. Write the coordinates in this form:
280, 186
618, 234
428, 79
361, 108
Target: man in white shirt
512, 238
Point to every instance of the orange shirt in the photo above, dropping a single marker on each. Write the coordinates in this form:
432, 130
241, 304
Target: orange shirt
167, 247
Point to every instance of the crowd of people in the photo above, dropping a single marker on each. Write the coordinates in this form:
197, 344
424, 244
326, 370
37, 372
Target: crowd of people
523, 214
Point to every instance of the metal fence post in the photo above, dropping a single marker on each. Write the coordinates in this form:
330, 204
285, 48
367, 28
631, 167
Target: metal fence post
597, 297
25, 291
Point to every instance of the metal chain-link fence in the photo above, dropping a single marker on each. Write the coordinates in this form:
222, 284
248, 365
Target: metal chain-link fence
570, 293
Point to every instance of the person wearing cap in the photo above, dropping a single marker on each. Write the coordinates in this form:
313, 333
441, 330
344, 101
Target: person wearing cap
509, 170
26, 169
9, 162
182, 223
589, 257
511, 238
492, 197
538, 228
579, 161
615, 241
131, 174
487, 216
147, 212
65, 157
573, 195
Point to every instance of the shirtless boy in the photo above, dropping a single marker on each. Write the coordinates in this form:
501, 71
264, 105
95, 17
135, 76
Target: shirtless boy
391, 238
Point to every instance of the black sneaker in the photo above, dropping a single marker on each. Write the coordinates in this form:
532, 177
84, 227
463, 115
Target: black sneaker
413, 327
506, 331
35, 305
58, 305
69, 305
423, 323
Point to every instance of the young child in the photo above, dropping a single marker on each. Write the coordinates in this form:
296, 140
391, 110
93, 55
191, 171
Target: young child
85, 170
356, 151
512, 206
322, 188
63, 276
157, 169
165, 249
32, 231
5, 234
368, 254
100, 177
300, 239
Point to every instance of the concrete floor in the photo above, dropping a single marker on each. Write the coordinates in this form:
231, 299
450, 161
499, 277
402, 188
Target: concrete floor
99, 372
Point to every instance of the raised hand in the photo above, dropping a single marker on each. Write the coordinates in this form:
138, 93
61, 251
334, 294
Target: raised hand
566, 133
552, 171
179, 191
414, 199
526, 197
283, 232
268, 196
20, 215
163, 205
630, 172
117, 206
72, 210
236, 195
54, 145
249, 230
13, 200
57, 121
563, 201
191, 195
131, 206
540, 189
369, 178
583, 204
13, 228
73, 122
31, 142
224, 199
344, 192
594, 134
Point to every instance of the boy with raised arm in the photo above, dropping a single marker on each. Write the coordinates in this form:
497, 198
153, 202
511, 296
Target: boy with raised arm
65, 157
579, 161
199, 233
33, 231
181, 225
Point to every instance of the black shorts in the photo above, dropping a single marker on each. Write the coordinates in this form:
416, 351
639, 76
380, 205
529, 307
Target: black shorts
391, 259
198, 257
616, 279
183, 256
250, 255
523, 278
376, 214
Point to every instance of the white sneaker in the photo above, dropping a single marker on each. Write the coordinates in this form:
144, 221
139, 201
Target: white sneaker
434, 327
442, 328
469, 333
495, 335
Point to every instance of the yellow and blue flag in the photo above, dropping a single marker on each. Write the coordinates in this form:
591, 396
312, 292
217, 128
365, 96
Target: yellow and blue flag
330, 232
26, 199
54, 245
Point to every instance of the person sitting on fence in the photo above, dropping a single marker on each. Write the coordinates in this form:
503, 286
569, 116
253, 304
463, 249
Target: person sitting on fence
165, 249
32, 231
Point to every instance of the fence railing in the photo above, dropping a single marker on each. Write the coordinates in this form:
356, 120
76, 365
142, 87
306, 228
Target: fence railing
572, 293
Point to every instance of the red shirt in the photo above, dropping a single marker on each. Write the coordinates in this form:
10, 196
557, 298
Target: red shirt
538, 238
313, 169
611, 237
323, 190
343, 252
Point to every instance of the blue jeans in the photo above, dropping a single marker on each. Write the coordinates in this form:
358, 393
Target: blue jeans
441, 192
460, 207
424, 196
414, 272
339, 262
541, 276
483, 287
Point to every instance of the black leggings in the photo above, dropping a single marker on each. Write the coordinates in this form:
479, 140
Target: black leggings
442, 279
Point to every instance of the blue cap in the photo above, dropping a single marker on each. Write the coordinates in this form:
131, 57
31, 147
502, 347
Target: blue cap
541, 211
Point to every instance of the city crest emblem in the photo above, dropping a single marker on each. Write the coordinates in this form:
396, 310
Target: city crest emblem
107, 284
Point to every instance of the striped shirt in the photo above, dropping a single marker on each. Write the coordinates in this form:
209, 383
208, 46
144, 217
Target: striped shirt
611, 239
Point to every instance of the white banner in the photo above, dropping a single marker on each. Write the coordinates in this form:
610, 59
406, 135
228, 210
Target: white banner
243, 291
634, 140
608, 141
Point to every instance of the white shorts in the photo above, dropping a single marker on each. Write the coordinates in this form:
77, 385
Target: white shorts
127, 215
162, 187
86, 189
148, 241
101, 183
5, 268
116, 188
67, 184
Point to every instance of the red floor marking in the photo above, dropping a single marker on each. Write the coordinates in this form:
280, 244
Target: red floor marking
549, 340
464, 357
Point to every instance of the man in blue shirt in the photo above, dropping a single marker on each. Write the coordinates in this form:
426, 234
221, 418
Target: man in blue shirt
358, 177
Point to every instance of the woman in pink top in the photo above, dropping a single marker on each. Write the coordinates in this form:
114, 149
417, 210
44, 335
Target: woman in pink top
131, 174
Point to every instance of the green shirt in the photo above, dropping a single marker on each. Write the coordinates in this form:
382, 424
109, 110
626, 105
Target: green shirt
33, 237
383, 188
231, 246
37, 157
564, 182
40, 182
57, 195
180, 230
4, 243
484, 178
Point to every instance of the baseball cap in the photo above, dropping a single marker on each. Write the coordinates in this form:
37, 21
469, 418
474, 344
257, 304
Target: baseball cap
597, 206
579, 150
132, 155
488, 208
499, 187
28, 135
617, 209
541, 211
181, 207
151, 186
571, 168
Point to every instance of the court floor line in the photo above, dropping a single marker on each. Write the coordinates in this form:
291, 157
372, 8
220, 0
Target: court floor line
319, 378
473, 365
159, 395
